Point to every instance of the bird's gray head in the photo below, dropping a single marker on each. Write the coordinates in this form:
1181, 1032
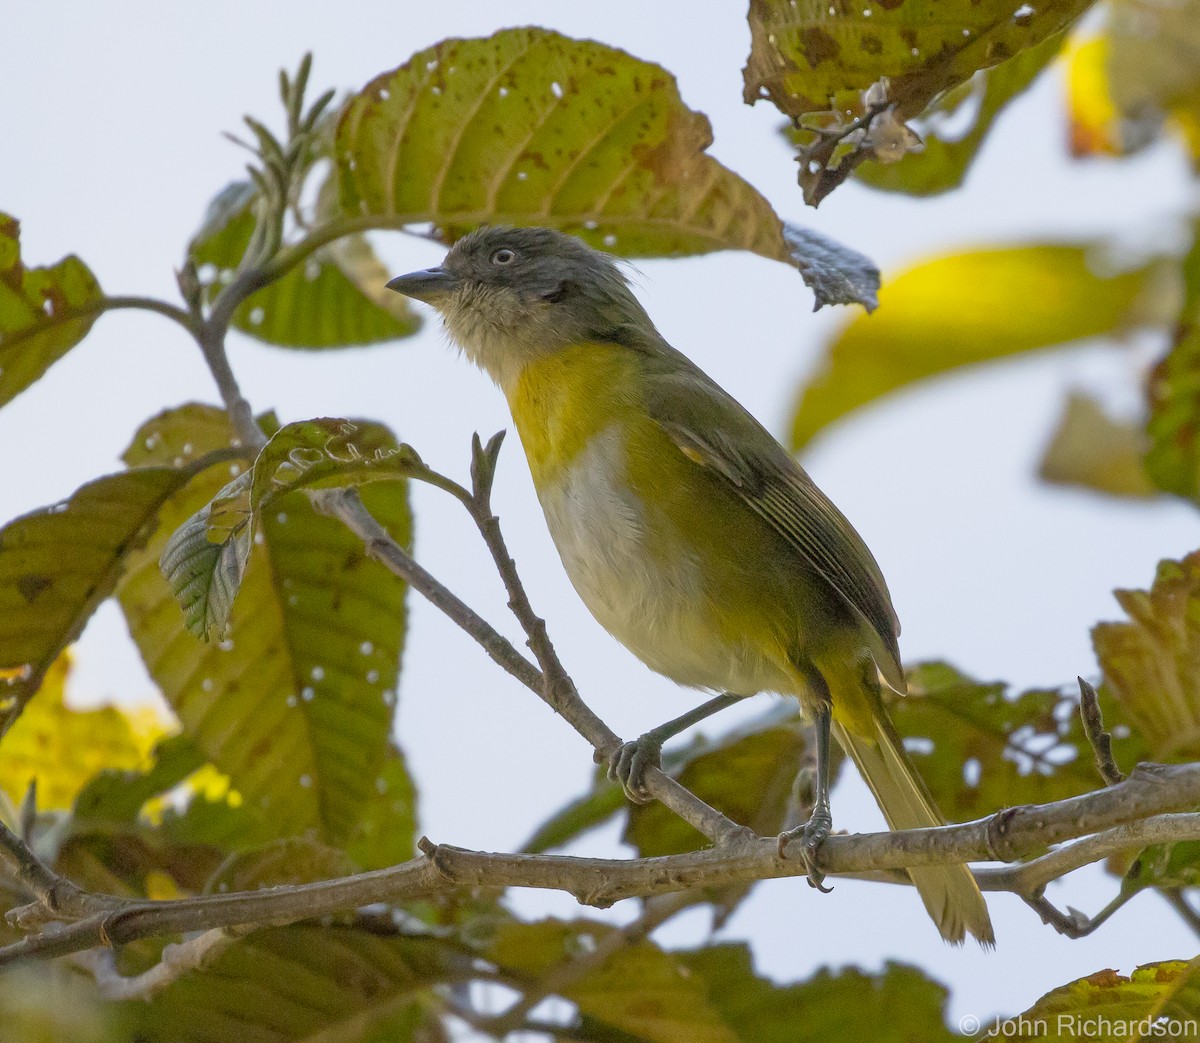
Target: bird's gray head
508, 295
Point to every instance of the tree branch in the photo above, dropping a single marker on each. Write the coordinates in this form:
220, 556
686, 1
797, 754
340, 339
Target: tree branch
564, 699
1139, 811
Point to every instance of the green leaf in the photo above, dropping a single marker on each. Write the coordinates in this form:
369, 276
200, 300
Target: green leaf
205, 559
813, 56
288, 860
593, 809
300, 983
1151, 663
335, 299
116, 797
964, 309
387, 828
979, 750
1156, 1000
530, 127
746, 773
886, 62
897, 1005
1091, 450
327, 453
640, 989
296, 704
62, 748
50, 1002
943, 163
44, 312
1173, 459
46, 596
865, 71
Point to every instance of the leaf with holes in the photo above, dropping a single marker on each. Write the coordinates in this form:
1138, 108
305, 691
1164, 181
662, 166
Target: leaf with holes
44, 312
46, 596
1173, 458
1151, 662
949, 151
980, 750
303, 982
327, 453
965, 309
879, 62
334, 299
1091, 450
530, 127
206, 557
295, 706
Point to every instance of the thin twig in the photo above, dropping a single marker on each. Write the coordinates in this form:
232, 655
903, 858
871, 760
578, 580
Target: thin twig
1097, 737
1177, 900
346, 505
178, 958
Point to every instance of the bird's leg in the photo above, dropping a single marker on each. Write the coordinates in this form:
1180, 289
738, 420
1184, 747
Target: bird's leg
813, 833
631, 760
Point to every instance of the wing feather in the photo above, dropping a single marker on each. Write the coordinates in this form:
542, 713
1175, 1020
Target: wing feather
713, 429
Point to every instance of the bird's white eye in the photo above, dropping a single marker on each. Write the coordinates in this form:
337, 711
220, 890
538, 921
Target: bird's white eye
503, 256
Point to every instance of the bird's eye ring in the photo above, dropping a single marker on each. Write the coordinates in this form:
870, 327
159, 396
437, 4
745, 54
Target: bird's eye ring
503, 256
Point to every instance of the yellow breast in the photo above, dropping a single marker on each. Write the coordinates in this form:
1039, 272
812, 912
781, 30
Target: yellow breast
621, 503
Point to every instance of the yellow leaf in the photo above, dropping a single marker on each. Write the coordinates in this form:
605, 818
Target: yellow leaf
62, 748
1151, 663
1092, 450
964, 309
1094, 122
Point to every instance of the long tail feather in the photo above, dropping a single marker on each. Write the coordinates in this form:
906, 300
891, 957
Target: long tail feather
950, 893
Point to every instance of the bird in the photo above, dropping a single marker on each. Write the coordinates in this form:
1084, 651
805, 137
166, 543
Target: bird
689, 532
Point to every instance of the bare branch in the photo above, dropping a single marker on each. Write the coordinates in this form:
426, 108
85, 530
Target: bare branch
1140, 811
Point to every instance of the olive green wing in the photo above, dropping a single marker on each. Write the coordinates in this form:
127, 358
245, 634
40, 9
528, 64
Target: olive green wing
713, 429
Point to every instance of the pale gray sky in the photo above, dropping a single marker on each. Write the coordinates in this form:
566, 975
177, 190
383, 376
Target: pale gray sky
110, 121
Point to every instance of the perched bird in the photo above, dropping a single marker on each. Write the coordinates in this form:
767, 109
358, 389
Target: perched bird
690, 533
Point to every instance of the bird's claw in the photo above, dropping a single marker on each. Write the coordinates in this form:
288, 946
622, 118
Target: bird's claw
811, 836
630, 763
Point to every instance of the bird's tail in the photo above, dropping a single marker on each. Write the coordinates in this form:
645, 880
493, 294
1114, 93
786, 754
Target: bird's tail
949, 892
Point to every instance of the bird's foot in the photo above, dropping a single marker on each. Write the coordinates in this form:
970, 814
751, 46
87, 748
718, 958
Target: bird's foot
631, 762
811, 836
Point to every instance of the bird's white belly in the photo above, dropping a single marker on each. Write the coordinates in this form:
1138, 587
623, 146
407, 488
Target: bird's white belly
655, 608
